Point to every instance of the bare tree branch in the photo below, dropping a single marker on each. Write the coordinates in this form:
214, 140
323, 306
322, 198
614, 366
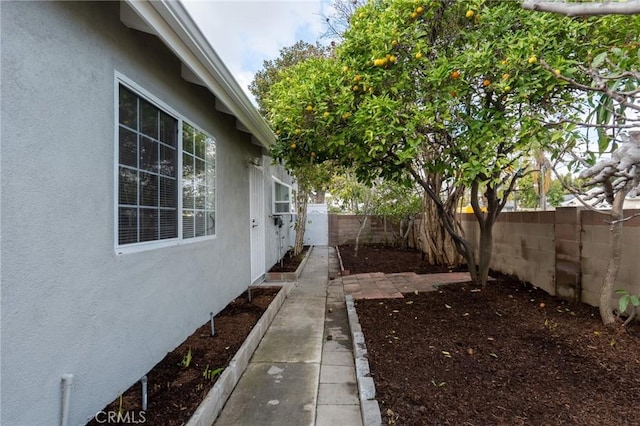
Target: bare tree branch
631, 7
634, 124
599, 87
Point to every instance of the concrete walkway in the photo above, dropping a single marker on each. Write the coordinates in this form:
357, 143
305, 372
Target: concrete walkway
303, 372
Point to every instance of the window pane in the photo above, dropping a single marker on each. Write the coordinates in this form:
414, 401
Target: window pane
211, 223
210, 200
187, 138
188, 223
128, 186
127, 225
148, 224
128, 148
128, 107
167, 161
210, 151
199, 182
168, 129
148, 189
149, 154
200, 144
200, 224
282, 192
282, 207
148, 119
187, 181
147, 185
168, 193
168, 224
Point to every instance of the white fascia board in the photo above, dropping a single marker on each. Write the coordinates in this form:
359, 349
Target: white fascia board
174, 26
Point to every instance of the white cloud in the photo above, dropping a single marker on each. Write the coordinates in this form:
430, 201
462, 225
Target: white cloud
246, 33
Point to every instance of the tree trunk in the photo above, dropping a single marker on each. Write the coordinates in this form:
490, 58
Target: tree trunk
485, 253
362, 226
301, 219
447, 215
615, 255
405, 237
434, 241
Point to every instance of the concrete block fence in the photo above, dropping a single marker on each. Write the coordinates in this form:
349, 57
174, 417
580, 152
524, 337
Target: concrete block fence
562, 251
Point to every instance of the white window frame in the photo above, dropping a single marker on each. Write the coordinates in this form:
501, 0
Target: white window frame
120, 79
275, 201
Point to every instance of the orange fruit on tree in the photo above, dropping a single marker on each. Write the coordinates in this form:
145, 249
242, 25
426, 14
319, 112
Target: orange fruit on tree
418, 55
293, 146
486, 82
469, 14
455, 75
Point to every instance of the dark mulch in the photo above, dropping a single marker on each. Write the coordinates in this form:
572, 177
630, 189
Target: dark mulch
373, 258
176, 391
508, 354
289, 262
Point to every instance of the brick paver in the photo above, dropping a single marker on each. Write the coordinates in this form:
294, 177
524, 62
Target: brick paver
384, 286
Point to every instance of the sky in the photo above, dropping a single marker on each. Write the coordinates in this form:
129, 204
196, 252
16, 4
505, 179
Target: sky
245, 33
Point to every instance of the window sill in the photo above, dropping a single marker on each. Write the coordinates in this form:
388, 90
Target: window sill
155, 245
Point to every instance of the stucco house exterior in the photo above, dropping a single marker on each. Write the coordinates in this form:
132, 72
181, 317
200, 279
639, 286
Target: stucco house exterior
137, 196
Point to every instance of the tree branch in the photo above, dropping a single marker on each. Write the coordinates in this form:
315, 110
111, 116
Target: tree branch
631, 7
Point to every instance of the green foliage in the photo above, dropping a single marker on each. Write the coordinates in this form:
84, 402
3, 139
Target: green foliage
210, 374
382, 198
627, 298
527, 195
419, 88
289, 56
186, 360
391, 97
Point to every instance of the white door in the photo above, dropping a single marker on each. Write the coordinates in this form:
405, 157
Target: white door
316, 230
257, 217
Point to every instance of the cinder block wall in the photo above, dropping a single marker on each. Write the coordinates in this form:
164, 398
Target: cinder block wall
343, 229
564, 252
523, 246
595, 254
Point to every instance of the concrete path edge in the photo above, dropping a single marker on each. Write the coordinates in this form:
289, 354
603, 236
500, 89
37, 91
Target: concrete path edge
369, 407
210, 407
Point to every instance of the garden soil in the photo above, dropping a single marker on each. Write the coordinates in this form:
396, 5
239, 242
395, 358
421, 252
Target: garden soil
507, 354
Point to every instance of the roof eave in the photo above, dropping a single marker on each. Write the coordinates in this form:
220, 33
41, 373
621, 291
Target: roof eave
170, 21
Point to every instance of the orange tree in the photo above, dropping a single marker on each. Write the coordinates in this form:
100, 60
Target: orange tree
437, 88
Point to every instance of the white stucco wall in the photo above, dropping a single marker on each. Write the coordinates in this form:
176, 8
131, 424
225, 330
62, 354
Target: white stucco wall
278, 239
69, 304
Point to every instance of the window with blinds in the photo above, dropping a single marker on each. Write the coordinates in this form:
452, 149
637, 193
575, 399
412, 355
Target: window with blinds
198, 183
149, 199
281, 198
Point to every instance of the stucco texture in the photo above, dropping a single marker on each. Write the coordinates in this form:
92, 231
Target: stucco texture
70, 304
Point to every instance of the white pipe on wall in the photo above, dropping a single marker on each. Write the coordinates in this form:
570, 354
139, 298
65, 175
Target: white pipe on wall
67, 379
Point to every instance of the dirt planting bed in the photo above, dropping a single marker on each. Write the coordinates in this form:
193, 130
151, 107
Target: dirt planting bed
508, 354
